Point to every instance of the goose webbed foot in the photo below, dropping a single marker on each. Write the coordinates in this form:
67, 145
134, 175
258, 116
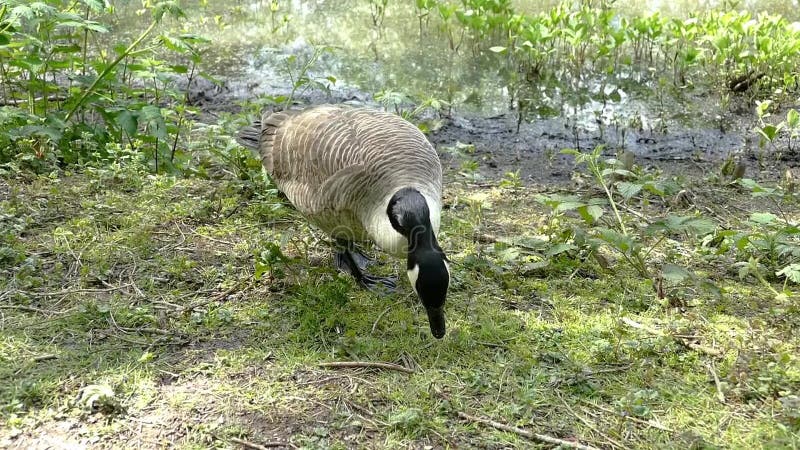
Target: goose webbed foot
350, 260
373, 282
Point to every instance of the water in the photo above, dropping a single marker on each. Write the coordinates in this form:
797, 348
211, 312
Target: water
251, 43
253, 46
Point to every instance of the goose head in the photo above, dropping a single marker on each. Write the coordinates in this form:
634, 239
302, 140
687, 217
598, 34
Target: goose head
427, 266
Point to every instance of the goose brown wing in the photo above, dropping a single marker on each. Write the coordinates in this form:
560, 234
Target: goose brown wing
335, 157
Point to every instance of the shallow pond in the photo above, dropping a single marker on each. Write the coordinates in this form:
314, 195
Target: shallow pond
259, 47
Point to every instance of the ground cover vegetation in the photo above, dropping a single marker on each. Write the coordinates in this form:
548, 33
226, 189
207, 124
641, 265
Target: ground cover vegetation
155, 288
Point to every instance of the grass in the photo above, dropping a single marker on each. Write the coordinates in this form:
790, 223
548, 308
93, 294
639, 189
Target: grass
129, 312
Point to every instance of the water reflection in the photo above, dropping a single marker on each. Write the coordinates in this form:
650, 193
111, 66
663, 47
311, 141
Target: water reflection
253, 39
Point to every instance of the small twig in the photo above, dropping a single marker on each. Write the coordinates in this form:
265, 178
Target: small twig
368, 364
27, 309
634, 212
590, 373
213, 299
492, 344
591, 426
526, 433
148, 330
218, 241
255, 446
720, 395
77, 291
691, 345
385, 311
649, 423
41, 358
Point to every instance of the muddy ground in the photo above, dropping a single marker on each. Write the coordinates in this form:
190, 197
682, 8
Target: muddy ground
532, 148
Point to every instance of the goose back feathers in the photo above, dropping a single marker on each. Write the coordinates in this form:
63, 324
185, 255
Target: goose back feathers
340, 166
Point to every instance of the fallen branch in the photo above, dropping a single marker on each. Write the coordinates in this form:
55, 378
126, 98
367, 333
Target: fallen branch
526, 433
691, 345
366, 364
255, 446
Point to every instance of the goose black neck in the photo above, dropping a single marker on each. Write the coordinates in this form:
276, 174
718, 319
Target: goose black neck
409, 215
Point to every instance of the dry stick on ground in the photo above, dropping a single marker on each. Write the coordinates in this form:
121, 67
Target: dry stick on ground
655, 425
385, 311
697, 347
367, 364
255, 446
213, 299
720, 395
76, 291
613, 442
526, 433
150, 330
27, 309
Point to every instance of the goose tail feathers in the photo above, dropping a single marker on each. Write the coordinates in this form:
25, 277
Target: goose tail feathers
250, 136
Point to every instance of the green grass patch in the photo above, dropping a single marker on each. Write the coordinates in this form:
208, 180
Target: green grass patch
133, 310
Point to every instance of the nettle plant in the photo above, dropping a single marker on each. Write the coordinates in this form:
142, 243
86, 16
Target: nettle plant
724, 50
634, 239
770, 130
768, 249
68, 97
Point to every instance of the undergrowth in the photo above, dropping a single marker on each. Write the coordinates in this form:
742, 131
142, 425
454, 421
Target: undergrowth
155, 287
135, 305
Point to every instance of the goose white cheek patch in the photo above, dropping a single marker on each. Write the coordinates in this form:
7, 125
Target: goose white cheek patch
412, 277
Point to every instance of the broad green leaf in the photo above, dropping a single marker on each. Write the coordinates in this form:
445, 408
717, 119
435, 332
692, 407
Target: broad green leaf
84, 25
617, 240
763, 218
497, 49
679, 224
793, 119
621, 172
675, 274
509, 254
171, 7
560, 248
127, 122
590, 213
628, 190
179, 68
568, 206
791, 272
95, 5
66, 49
769, 132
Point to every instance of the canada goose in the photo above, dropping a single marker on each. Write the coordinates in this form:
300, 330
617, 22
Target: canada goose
361, 174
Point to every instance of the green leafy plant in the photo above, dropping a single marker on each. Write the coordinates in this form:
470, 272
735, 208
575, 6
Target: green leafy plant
298, 71
634, 243
66, 98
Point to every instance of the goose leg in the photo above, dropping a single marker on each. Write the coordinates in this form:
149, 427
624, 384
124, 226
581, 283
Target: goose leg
350, 260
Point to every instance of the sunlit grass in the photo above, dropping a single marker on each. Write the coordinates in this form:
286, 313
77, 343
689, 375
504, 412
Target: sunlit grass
127, 296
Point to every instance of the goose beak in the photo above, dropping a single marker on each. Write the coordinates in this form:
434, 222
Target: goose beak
436, 321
